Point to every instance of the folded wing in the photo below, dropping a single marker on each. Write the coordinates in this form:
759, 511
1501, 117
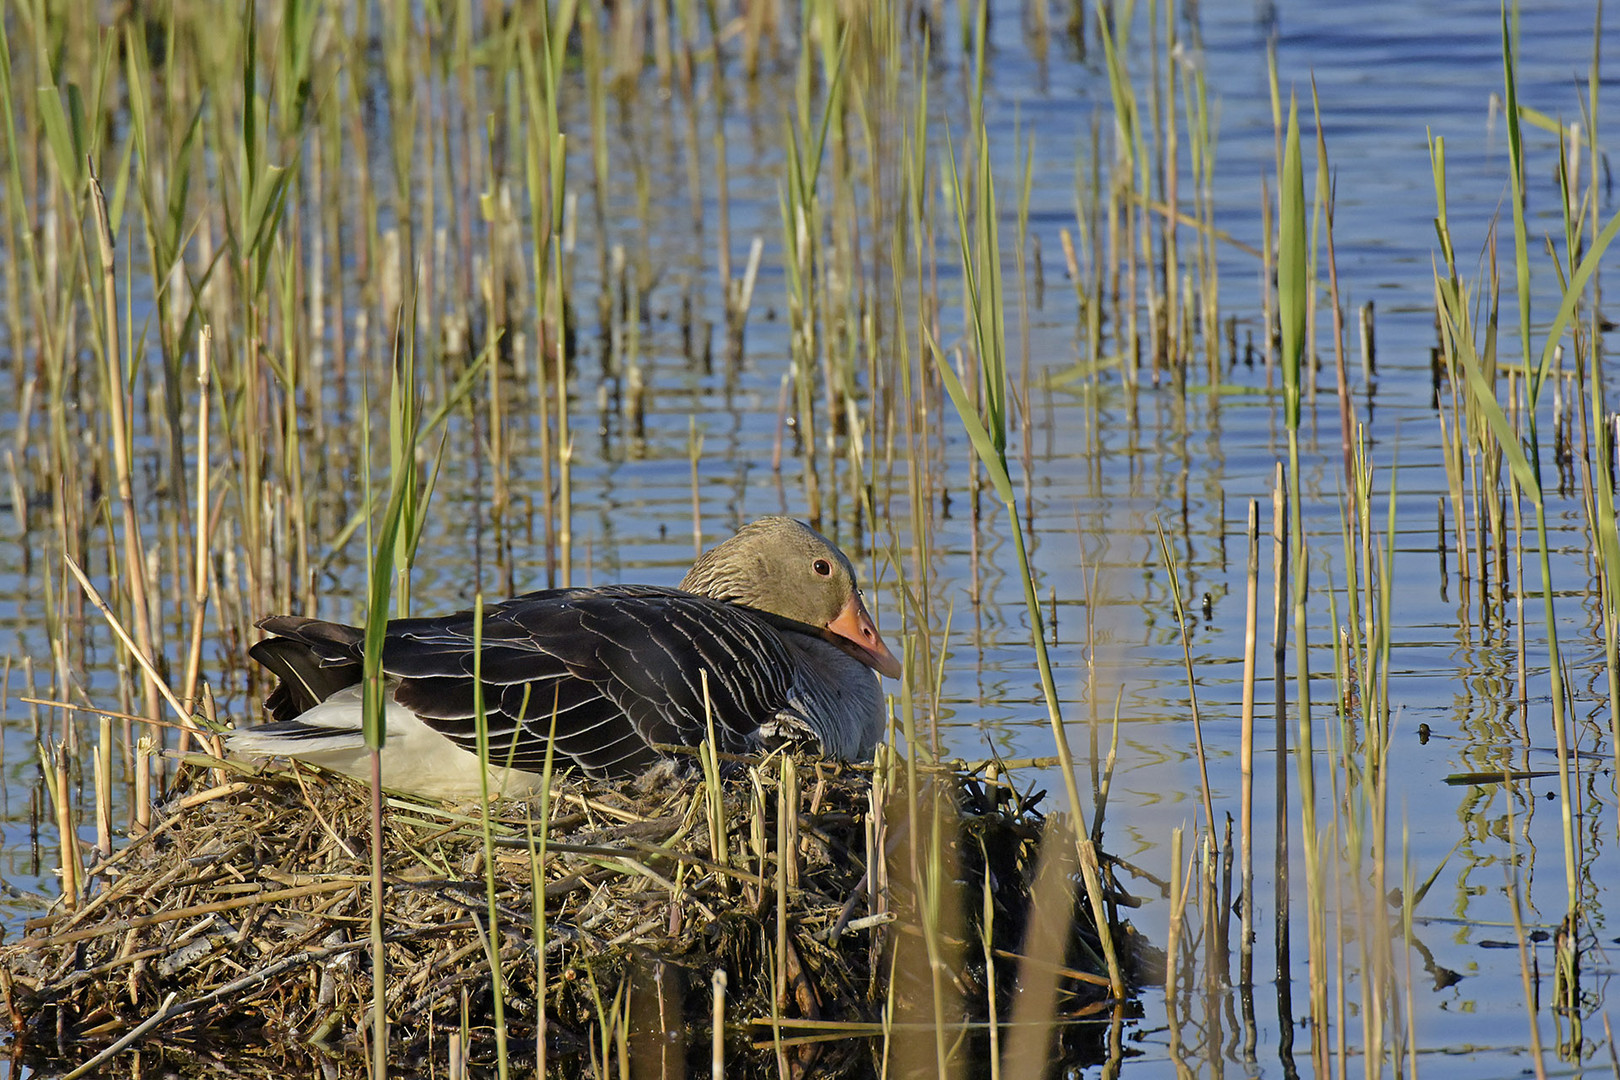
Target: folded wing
612, 670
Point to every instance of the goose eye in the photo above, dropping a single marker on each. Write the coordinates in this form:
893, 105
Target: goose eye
823, 567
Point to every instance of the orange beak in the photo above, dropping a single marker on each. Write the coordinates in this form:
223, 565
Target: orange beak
854, 625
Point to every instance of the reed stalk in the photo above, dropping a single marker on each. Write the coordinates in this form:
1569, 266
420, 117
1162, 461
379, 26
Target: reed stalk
1246, 748
988, 434
1293, 288
1169, 564
57, 781
491, 890
1051, 903
717, 1021
399, 521
121, 437
202, 523
1521, 452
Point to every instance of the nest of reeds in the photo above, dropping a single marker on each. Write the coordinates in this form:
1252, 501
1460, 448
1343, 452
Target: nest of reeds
245, 915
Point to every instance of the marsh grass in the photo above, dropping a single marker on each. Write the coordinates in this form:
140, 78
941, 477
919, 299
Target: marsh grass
223, 238
1504, 425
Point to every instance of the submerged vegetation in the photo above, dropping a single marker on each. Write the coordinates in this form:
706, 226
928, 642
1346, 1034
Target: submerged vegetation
328, 310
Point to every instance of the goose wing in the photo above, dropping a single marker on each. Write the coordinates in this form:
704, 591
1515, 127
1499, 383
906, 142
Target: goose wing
311, 659
612, 670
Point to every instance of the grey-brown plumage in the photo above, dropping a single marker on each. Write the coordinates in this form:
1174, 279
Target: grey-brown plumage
772, 616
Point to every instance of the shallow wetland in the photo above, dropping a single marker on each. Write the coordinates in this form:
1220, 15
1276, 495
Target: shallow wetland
1212, 396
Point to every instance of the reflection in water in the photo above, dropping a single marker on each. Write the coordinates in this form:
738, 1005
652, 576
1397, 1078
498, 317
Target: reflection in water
715, 378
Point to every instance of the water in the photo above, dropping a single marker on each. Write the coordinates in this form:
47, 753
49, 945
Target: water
1390, 76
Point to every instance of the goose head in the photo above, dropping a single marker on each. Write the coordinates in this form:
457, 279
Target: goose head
785, 568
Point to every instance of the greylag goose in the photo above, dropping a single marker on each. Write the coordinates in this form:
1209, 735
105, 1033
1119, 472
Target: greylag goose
771, 614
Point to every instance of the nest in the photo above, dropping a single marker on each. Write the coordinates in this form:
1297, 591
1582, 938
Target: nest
244, 919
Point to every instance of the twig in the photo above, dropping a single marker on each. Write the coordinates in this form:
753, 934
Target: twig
138, 842
265, 974
188, 912
141, 658
303, 789
134, 1033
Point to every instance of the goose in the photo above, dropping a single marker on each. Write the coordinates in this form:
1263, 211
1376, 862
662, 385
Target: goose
603, 674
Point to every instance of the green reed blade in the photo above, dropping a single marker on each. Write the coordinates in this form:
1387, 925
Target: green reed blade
1293, 282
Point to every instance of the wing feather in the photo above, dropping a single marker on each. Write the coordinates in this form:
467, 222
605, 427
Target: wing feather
614, 669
